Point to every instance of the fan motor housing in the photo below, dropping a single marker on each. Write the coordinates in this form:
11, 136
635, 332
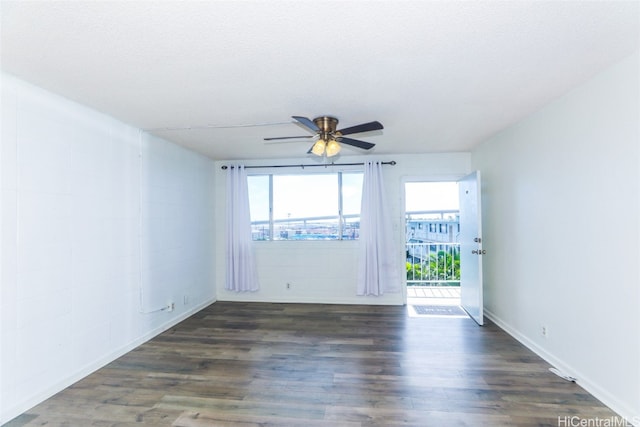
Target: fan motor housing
326, 124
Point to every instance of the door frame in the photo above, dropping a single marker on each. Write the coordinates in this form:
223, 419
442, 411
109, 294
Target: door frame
403, 212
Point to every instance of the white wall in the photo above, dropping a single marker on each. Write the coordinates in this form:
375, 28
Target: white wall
294, 262
561, 229
99, 224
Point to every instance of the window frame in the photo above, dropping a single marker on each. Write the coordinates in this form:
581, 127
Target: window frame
341, 221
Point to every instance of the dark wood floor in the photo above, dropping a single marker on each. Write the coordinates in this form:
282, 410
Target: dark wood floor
258, 364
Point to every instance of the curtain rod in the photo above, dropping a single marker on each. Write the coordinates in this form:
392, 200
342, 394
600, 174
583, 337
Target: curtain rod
392, 163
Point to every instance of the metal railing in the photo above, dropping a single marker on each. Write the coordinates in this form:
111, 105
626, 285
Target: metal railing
433, 264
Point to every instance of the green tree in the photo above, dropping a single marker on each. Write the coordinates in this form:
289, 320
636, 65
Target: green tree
441, 266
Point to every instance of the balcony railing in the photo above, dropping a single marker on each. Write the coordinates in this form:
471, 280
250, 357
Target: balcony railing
433, 264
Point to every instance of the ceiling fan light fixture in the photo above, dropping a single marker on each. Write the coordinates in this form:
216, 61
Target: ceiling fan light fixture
319, 147
333, 148
330, 139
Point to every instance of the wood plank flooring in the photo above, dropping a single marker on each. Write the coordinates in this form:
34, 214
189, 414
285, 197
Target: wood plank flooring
260, 364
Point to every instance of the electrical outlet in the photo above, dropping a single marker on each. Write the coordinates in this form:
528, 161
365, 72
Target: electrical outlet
185, 299
171, 306
288, 285
544, 331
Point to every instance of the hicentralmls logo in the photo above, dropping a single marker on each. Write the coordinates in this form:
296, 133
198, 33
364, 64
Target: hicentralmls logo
576, 421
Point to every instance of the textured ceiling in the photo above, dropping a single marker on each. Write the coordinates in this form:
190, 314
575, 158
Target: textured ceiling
441, 76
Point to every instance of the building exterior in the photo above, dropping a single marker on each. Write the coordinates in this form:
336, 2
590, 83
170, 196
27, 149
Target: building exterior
438, 227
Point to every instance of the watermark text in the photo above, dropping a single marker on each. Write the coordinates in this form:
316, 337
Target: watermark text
615, 421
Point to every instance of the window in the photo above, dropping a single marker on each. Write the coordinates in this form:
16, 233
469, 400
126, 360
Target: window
259, 203
305, 207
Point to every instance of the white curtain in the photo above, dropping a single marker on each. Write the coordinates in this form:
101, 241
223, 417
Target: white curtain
242, 275
378, 264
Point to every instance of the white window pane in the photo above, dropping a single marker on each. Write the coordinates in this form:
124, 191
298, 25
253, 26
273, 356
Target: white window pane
259, 197
305, 207
304, 196
351, 193
351, 201
259, 206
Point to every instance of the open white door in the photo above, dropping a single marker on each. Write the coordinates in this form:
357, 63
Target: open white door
471, 251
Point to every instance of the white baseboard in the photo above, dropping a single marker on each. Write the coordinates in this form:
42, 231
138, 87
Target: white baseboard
343, 301
582, 380
387, 299
10, 413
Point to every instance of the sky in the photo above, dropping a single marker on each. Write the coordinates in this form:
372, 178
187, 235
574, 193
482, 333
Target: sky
428, 196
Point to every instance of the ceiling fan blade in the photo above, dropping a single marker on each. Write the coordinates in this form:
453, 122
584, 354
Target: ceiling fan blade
365, 127
356, 143
287, 137
308, 123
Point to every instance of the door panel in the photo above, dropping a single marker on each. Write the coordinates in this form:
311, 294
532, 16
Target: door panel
471, 251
